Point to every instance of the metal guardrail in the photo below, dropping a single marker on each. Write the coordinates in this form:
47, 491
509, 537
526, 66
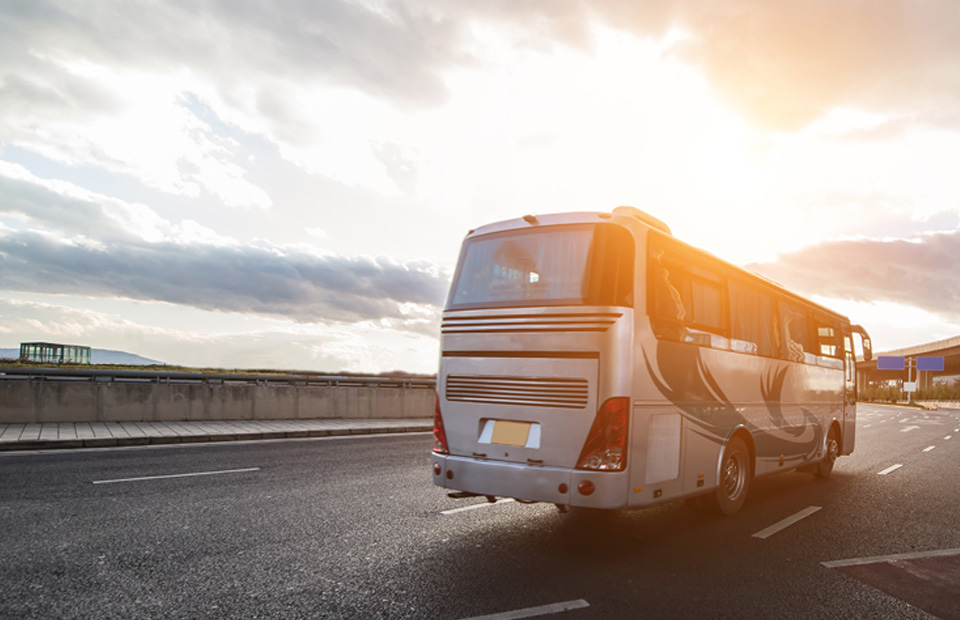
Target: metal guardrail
154, 376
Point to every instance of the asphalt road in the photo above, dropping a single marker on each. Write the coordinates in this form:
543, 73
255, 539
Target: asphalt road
353, 528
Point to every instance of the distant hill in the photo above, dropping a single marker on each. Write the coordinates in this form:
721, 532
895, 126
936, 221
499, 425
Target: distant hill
106, 356
99, 356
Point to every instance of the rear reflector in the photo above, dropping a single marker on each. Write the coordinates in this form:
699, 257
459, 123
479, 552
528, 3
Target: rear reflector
439, 435
606, 446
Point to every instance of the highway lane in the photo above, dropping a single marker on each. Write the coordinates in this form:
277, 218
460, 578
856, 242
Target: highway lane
352, 527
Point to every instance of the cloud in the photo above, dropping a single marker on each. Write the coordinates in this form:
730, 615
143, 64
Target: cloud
81, 242
784, 64
147, 89
399, 166
117, 85
253, 279
50, 204
387, 49
919, 272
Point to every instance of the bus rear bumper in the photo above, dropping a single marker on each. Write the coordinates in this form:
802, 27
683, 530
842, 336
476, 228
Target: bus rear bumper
534, 483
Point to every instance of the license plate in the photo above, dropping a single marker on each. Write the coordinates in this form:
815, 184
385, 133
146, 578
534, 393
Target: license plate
510, 433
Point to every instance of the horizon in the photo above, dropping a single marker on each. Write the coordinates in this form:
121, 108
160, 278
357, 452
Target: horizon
157, 363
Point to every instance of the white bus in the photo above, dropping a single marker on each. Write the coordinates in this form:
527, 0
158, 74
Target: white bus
593, 360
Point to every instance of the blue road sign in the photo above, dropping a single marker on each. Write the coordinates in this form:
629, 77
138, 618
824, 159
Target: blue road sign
930, 363
890, 362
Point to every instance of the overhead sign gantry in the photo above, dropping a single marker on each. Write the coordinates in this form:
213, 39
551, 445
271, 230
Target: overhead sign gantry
921, 363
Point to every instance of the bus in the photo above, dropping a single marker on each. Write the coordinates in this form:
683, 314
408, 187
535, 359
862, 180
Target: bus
592, 360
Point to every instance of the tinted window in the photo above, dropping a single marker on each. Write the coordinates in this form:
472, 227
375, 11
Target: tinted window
557, 265
827, 333
796, 340
753, 319
685, 292
692, 297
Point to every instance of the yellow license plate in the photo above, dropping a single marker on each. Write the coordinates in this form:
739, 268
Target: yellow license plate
509, 433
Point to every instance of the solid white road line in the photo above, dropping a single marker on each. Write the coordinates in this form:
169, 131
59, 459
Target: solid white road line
782, 525
475, 506
190, 475
891, 558
531, 612
890, 469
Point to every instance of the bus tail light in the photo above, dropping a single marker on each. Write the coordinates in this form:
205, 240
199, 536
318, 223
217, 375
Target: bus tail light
606, 445
439, 435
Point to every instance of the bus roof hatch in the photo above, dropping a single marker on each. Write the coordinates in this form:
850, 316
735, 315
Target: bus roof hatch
644, 217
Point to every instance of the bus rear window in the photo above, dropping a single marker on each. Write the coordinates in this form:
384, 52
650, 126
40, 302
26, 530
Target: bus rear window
558, 265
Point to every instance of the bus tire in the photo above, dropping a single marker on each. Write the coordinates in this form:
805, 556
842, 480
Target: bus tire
734, 482
832, 450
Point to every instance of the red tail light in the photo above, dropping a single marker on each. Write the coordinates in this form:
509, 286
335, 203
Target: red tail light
439, 435
606, 446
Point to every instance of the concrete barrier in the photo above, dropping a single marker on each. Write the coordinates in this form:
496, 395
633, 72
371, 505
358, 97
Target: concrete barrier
30, 397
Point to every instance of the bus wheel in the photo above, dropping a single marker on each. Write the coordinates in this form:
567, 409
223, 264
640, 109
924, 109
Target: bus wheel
825, 467
734, 478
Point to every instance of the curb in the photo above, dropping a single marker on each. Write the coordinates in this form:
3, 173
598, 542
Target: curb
110, 442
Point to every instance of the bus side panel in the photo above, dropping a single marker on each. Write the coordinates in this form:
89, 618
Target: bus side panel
849, 429
849, 397
786, 407
797, 424
655, 454
671, 457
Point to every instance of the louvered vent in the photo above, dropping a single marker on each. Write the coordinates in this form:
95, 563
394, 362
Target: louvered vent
529, 391
529, 323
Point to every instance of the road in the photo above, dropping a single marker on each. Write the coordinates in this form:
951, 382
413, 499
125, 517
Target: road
353, 528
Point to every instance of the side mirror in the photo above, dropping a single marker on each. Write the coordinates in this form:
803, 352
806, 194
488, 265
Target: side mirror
865, 341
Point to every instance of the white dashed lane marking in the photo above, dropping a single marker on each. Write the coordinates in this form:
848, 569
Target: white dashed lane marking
453, 511
532, 612
782, 525
190, 475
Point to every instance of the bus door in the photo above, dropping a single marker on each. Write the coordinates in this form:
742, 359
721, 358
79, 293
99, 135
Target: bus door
849, 395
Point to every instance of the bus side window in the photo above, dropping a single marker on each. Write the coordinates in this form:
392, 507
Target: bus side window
706, 293
686, 297
753, 319
666, 306
795, 341
828, 338
851, 357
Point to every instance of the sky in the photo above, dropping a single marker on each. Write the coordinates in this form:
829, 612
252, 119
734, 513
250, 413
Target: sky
253, 184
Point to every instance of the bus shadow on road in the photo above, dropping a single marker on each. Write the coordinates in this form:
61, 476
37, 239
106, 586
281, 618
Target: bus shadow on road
541, 531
